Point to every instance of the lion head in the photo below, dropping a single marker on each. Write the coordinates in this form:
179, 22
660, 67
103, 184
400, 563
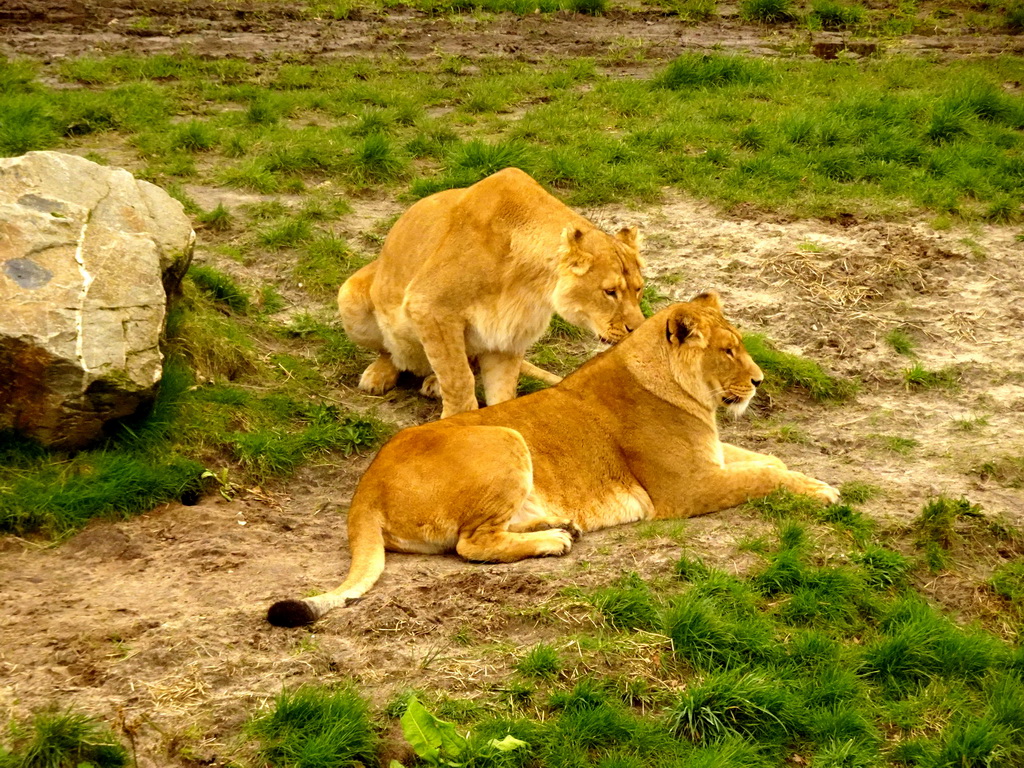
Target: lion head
707, 356
599, 281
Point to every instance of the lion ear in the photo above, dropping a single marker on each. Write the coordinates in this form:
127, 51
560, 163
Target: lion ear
571, 253
709, 298
682, 328
633, 239
630, 236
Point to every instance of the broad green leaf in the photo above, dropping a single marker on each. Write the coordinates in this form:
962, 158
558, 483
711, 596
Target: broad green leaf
421, 731
395, 764
508, 744
428, 736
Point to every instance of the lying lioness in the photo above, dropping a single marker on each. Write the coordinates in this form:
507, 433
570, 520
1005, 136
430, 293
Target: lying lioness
630, 436
476, 273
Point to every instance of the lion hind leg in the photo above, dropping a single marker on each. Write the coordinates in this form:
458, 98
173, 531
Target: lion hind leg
498, 546
548, 523
500, 374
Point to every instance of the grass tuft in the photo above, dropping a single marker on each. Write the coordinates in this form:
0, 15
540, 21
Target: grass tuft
1006, 470
783, 370
751, 705
884, 568
701, 71
542, 661
219, 287
920, 378
1008, 582
316, 727
65, 740
628, 604
900, 342
829, 14
218, 219
767, 11
781, 504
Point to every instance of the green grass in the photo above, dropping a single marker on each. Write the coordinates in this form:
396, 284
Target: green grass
920, 378
692, 71
939, 527
800, 136
208, 416
1005, 470
316, 727
287, 233
783, 371
325, 262
59, 495
809, 654
828, 14
218, 219
767, 11
857, 492
898, 444
628, 604
55, 739
749, 705
826, 655
542, 661
1008, 583
900, 342
220, 287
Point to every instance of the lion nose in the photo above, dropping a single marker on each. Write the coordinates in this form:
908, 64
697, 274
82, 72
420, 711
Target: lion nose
629, 329
756, 382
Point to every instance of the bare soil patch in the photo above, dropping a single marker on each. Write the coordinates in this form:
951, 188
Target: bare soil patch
251, 30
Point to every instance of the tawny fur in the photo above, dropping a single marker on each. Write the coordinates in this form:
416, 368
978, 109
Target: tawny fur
630, 436
475, 274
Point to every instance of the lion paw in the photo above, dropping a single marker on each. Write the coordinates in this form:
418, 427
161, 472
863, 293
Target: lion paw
469, 405
557, 544
430, 388
817, 489
379, 377
573, 530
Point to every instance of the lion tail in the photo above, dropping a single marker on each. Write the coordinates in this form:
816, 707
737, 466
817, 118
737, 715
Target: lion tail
529, 369
366, 542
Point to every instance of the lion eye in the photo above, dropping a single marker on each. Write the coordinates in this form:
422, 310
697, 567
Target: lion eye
611, 292
730, 353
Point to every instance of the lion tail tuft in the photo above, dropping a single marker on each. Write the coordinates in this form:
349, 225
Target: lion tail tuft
366, 541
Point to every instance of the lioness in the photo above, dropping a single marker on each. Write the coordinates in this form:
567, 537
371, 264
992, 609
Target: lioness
476, 273
629, 436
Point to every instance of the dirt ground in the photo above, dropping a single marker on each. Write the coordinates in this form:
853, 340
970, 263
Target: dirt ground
258, 30
157, 624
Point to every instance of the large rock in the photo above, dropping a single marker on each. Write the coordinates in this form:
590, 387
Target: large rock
88, 257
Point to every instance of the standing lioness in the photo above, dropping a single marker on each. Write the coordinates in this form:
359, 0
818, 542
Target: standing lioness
630, 436
477, 273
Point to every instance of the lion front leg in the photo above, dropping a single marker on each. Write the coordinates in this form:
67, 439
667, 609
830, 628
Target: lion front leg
739, 482
733, 454
445, 347
380, 376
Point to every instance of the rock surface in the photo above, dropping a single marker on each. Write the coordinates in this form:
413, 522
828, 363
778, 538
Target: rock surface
88, 257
